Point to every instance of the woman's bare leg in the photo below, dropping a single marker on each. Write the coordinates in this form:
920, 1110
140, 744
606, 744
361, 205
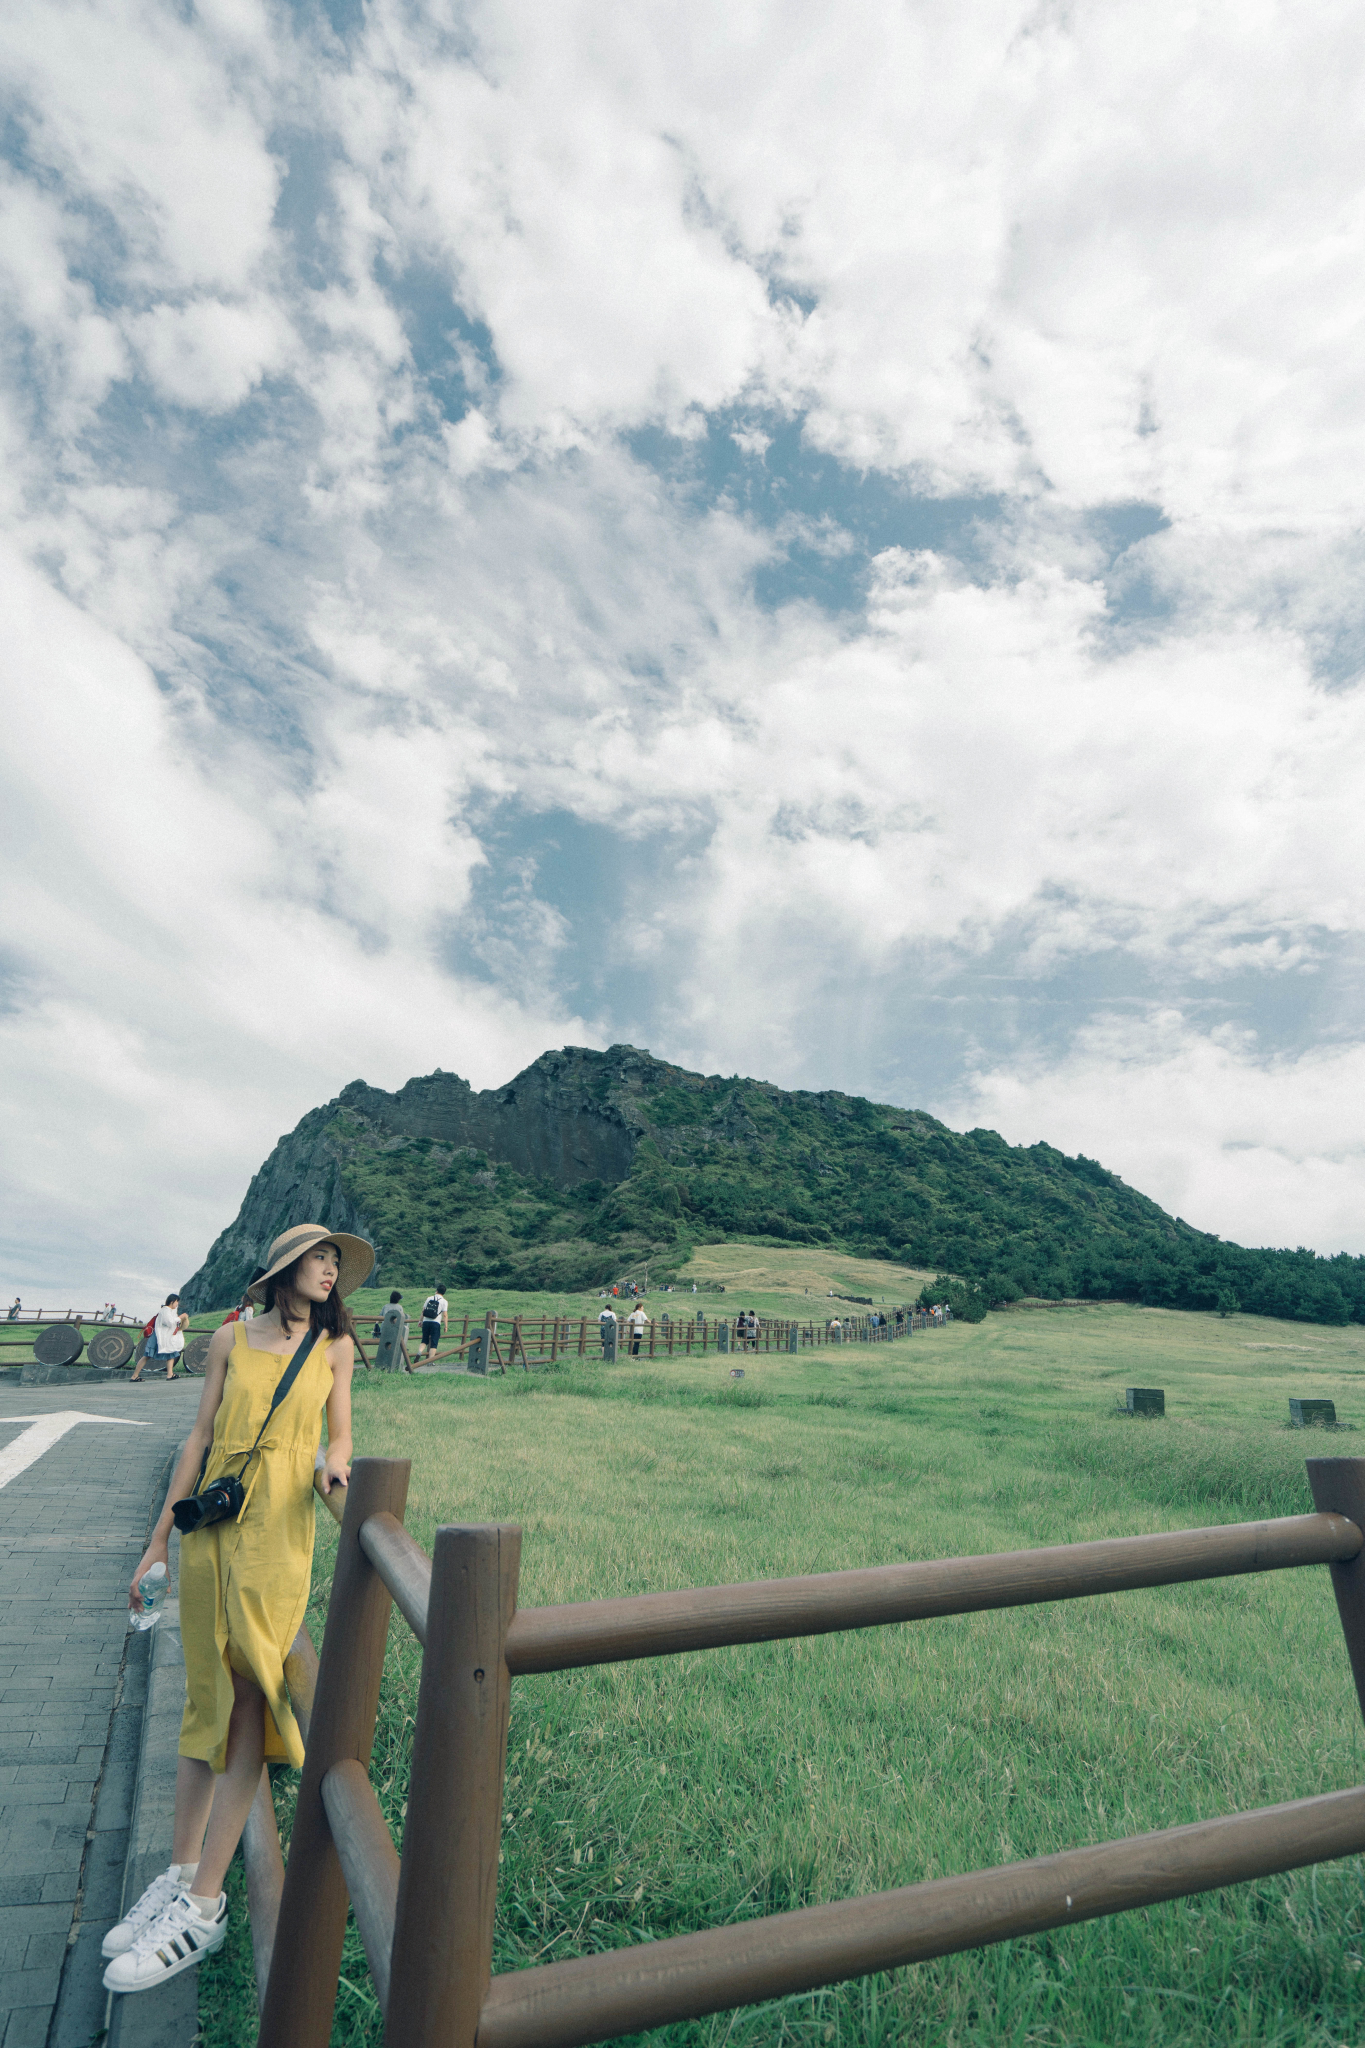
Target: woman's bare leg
236, 1788
193, 1798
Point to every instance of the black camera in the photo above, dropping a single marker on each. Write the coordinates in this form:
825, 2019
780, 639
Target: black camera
226, 1494
219, 1501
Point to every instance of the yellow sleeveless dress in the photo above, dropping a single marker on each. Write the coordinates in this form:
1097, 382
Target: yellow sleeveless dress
244, 1584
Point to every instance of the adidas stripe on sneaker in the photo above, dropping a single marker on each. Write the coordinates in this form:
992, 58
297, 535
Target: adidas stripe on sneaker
177, 1939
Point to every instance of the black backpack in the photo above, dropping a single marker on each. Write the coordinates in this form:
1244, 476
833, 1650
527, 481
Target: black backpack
431, 1309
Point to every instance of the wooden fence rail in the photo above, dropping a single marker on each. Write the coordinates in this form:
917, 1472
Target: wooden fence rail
499, 1341
92, 1316
594, 1998
426, 1919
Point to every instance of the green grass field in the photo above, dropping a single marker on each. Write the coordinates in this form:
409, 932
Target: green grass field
772, 1280
646, 1799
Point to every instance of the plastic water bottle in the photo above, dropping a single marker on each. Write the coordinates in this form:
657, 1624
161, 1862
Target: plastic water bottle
153, 1586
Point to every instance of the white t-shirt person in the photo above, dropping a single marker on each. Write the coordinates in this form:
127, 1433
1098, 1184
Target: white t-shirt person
168, 1333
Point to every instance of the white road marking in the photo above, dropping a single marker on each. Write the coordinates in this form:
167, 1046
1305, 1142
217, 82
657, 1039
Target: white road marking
45, 1431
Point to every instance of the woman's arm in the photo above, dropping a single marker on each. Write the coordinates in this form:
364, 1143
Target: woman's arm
187, 1466
336, 1466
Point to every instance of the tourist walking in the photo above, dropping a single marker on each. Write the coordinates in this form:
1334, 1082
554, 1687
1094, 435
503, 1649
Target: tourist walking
435, 1315
167, 1340
242, 1499
392, 1354
637, 1320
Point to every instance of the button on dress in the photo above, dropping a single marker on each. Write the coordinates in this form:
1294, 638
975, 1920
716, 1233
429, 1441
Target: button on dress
244, 1584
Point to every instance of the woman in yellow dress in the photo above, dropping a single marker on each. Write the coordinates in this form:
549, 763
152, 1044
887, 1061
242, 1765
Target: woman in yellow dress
244, 1581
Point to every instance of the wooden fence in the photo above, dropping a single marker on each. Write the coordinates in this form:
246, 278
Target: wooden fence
427, 1919
494, 1342
119, 1321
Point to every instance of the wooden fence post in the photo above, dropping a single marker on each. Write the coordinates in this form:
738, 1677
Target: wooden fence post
491, 1326
1338, 1488
448, 1889
301, 1995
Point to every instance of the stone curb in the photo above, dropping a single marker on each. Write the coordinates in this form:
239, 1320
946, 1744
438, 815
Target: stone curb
169, 2016
34, 1373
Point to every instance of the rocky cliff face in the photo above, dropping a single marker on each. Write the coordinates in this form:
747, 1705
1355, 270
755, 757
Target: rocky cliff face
571, 1117
301, 1182
567, 1118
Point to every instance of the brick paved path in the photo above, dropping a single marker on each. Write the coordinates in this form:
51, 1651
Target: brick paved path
73, 1524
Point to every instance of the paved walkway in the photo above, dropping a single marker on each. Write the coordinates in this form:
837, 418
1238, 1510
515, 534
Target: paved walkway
76, 1497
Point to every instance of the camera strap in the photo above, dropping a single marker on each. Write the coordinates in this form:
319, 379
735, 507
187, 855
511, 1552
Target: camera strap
287, 1379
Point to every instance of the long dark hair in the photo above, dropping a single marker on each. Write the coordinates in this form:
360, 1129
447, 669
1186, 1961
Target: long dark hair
330, 1318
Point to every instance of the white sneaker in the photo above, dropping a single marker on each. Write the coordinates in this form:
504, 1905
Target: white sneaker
176, 1940
154, 1900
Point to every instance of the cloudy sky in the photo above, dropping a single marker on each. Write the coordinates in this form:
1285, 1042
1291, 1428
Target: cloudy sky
821, 541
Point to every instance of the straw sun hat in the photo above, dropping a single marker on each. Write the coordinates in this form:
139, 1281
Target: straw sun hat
357, 1257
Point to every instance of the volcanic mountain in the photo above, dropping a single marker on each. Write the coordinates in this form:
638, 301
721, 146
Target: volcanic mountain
590, 1163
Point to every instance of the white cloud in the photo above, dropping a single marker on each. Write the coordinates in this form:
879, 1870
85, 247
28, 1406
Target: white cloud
194, 951
209, 355
1261, 1150
154, 125
292, 616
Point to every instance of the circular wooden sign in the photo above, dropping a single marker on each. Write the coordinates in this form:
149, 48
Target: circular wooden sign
59, 1344
111, 1347
196, 1353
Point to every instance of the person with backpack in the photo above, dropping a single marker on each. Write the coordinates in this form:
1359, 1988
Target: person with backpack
164, 1337
435, 1313
242, 1497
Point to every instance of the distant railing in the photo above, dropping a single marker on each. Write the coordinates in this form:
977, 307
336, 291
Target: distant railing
427, 1919
71, 1315
499, 1341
